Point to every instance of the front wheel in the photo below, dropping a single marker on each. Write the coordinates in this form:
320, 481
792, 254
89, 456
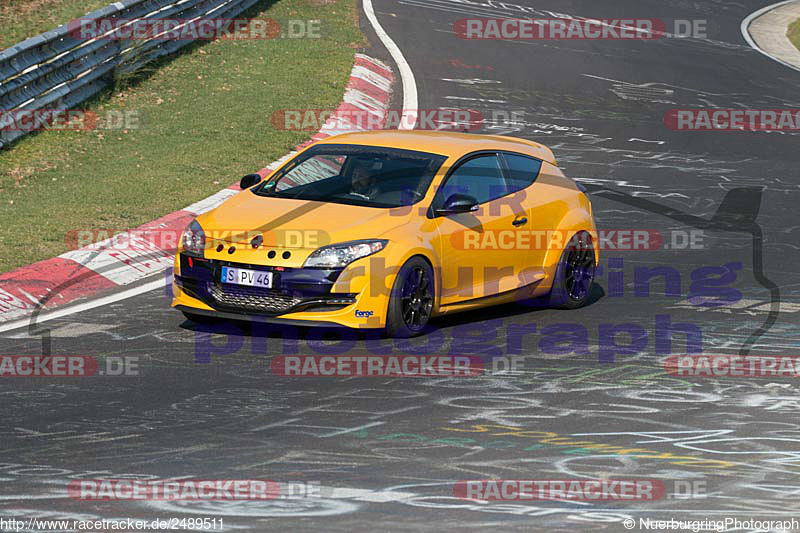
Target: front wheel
574, 274
411, 299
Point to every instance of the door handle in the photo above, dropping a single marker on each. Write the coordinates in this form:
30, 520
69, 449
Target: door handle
519, 221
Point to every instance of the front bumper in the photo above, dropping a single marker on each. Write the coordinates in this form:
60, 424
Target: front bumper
305, 296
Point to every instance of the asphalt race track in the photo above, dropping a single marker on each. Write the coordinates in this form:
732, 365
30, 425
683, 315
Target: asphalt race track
386, 453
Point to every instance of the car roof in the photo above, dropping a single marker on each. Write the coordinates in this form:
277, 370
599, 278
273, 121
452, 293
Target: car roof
451, 144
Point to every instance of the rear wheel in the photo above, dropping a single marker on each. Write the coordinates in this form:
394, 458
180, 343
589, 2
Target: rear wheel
411, 299
575, 273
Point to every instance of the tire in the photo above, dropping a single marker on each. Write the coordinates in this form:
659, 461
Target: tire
199, 319
572, 284
411, 300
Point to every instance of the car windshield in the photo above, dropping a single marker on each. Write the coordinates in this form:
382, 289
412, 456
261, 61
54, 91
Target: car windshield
358, 175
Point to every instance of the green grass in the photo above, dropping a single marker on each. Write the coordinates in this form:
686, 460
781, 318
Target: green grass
204, 120
21, 19
794, 33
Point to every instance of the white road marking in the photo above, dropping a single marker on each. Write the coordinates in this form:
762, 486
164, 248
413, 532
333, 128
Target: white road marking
409, 119
635, 139
471, 81
85, 306
352, 430
367, 495
71, 330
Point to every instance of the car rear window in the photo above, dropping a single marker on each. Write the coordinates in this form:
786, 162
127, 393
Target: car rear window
523, 170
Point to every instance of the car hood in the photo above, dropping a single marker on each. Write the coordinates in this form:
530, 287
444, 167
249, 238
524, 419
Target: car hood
296, 223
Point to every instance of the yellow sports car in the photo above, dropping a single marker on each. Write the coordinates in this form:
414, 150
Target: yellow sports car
387, 229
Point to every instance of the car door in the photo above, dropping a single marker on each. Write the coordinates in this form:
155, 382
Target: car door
479, 254
522, 172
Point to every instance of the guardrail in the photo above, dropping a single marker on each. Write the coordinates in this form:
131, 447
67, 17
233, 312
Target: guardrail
54, 70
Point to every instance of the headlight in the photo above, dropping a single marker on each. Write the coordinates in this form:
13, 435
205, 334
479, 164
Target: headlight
193, 239
342, 254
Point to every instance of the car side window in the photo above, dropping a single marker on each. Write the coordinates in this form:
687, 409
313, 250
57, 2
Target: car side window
480, 177
522, 170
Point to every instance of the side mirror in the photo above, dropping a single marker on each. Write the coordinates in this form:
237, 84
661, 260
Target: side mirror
458, 203
249, 180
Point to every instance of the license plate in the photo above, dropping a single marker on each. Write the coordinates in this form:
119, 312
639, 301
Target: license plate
243, 276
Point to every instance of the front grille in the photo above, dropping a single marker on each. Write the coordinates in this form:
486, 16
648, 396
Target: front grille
254, 299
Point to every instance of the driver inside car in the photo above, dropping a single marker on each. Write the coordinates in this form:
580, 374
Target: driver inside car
363, 181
